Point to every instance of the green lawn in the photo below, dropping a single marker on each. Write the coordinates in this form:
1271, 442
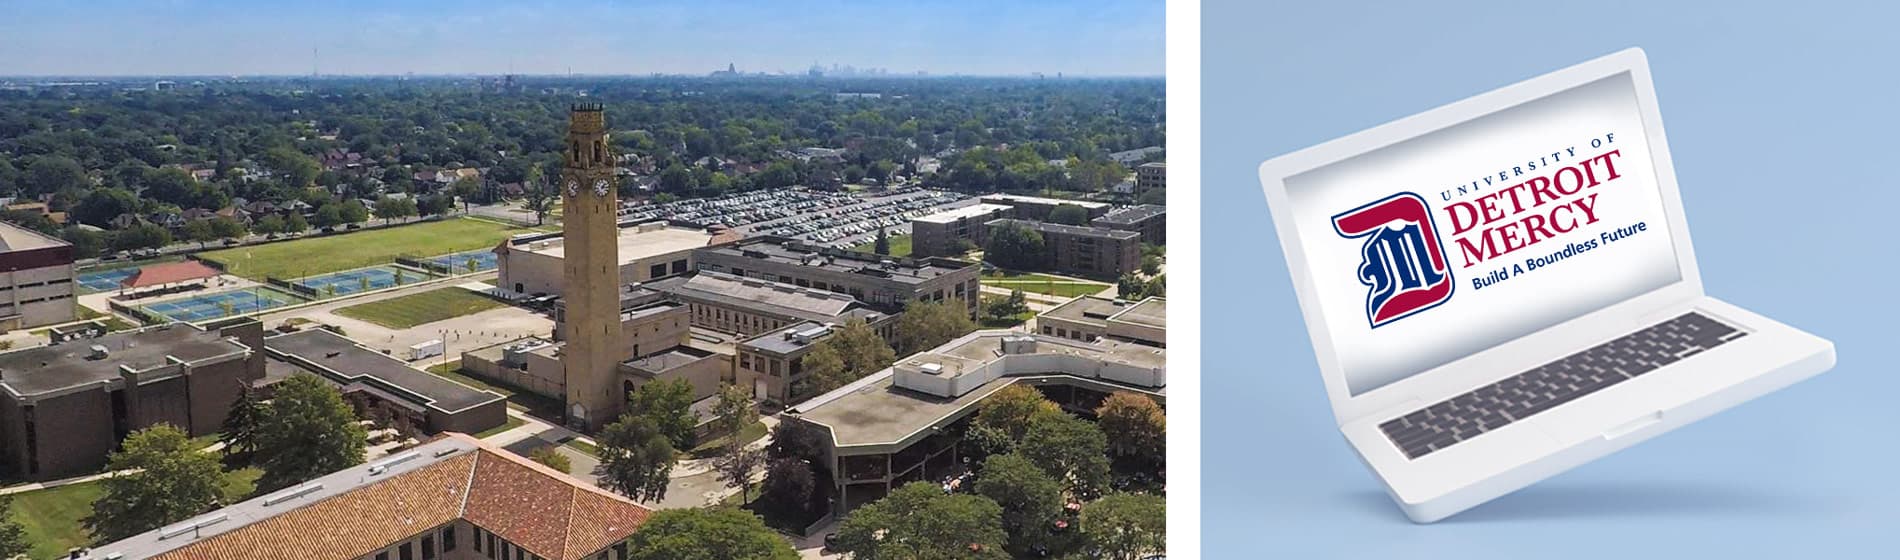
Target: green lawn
900, 246
711, 447
421, 308
51, 516
584, 447
331, 253
992, 323
510, 425
1042, 284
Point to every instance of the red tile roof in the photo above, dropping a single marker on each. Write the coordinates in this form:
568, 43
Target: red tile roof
551, 514
168, 273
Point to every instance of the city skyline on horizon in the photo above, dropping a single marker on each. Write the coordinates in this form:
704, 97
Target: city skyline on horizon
985, 38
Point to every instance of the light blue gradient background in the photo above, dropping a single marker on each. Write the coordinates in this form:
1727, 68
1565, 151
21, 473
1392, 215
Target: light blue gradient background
1780, 121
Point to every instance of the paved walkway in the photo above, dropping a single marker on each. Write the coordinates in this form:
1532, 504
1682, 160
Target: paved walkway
694, 481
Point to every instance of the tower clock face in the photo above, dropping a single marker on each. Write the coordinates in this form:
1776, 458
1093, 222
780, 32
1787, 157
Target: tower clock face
600, 187
573, 187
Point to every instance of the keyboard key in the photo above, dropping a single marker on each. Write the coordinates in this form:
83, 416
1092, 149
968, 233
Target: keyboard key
1541, 388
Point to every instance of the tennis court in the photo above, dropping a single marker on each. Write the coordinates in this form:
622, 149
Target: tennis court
361, 280
107, 280
214, 306
458, 263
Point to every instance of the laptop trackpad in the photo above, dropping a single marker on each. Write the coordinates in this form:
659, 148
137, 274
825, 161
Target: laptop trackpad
1617, 411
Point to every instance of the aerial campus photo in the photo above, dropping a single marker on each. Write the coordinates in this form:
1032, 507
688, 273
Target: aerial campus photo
583, 280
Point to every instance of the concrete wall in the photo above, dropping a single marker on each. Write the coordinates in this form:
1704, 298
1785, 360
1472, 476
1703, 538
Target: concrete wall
472, 420
40, 296
74, 433
541, 273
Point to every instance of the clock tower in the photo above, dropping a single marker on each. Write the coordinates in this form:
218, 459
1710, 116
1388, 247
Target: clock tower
591, 291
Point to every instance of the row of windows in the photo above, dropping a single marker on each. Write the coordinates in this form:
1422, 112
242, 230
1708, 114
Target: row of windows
51, 298
426, 546
1066, 333
54, 282
658, 270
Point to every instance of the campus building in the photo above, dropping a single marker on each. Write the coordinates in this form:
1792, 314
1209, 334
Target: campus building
65, 406
750, 306
1084, 250
533, 264
1150, 176
773, 364
1149, 220
903, 424
884, 283
657, 343
946, 233
381, 386
1037, 208
1093, 318
36, 279
454, 498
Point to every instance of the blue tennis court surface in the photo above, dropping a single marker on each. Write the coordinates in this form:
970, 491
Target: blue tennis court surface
106, 281
214, 306
361, 280
458, 263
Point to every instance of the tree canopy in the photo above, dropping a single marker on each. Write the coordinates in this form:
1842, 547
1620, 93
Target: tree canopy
161, 479
919, 522
307, 431
668, 404
707, 534
925, 325
636, 458
852, 351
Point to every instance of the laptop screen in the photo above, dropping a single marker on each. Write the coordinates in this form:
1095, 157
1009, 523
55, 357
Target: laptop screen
1445, 244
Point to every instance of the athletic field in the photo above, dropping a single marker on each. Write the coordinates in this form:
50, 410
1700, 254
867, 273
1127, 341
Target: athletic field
332, 253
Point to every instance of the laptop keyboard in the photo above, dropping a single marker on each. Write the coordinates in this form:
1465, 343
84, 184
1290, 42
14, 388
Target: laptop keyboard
1518, 397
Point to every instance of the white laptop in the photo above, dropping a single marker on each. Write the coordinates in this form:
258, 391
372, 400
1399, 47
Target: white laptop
1503, 288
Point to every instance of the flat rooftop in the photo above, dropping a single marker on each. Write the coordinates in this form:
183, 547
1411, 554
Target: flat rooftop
668, 360
777, 342
790, 252
1086, 231
964, 212
1089, 309
1151, 312
1017, 198
875, 411
740, 291
635, 242
1132, 214
350, 362
46, 369
16, 238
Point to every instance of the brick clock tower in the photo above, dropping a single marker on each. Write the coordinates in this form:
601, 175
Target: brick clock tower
591, 290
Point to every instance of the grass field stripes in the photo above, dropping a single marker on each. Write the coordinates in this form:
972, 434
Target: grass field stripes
221, 304
361, 280
104, 281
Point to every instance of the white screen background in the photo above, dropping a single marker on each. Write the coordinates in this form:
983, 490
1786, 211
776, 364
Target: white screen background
1473, 320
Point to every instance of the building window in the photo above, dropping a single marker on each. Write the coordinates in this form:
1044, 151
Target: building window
1064, 333
478, 539
406, 552
1048, 330
656, 271
428, 547
448, 538
382, 555
679, 266
774, 366
745, 361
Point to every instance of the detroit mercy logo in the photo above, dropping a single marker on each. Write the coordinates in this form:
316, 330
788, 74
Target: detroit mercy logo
1401, 260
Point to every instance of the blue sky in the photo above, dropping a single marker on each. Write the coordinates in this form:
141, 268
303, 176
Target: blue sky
990, 37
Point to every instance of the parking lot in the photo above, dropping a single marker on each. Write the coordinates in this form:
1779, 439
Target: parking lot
833, 219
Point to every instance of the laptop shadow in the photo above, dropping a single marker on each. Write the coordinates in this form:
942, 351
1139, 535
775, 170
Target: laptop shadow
1601, 501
